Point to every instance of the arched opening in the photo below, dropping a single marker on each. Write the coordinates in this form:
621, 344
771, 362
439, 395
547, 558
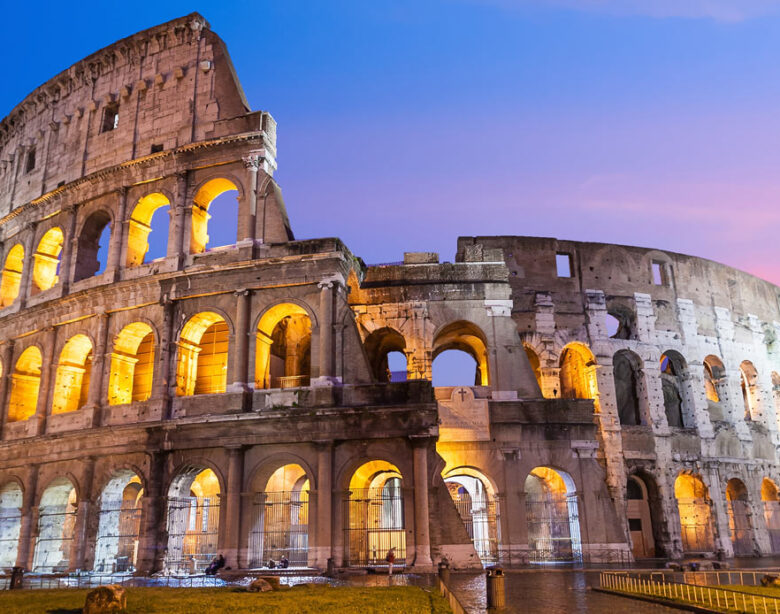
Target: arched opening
71, 384
384, 346
457, 339
203, 355
740, 526
477, 505
46, 260
536, 365
771, 500
627, 371
25, 385
640, 523
280, 524
119, 524
215, 195
56, 527
375, 515
92, 250
776, 394
693, 505
193, 520
283, 347
714, 377
10, 523
147, 230
12, 275
132, 365
578, 374
621, 319
748, 377
552, 516
673, 370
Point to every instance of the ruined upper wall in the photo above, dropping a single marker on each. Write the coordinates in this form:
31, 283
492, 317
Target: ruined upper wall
169, 85
621, 271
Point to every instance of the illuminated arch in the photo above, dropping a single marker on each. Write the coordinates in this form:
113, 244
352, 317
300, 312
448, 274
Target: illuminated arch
203, 355
210, 190
119, 523
693, 504
280, 519
771, 500
375, 514
46, 259
71, 384
12, 275
536, 365
56, 526
474, 497
751, 395
714, 372
11, 498
132, 365
466, 337
674, 374
193, 519
283, 347
552, 516
25, 385
740, 527
378, 345
629, 388
578, 373
140, 226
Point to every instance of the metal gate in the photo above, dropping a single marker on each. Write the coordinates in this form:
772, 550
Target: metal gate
696, 525
193, 527
553, 528
739, 527
374, 523
55, 536
116, 547
772, 519
10, 524
280, 528
480, 517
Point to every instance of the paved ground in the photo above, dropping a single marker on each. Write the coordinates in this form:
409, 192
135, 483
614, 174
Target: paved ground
549, 592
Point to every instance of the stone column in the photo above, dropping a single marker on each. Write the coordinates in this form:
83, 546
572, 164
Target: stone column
248, 217
67, 248
161, 383
422, 537
326, 333
180, 224
28, 522
79, 543
323, 541
150, 550
241, 372
113, 262
7, 356
27, 266
95, 396
232, 500
48, 374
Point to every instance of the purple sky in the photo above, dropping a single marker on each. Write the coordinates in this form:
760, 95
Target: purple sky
405, 124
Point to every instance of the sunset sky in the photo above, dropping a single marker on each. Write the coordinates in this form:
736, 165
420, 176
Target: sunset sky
403, 125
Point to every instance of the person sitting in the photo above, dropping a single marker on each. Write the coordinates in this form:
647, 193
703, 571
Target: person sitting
215, 565
271, 564
284, 562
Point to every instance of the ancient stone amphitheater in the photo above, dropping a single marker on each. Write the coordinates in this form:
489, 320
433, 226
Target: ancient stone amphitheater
242, 399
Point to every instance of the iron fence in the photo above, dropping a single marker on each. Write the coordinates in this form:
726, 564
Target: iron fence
280, 528
553, 528
374, 524
480, 517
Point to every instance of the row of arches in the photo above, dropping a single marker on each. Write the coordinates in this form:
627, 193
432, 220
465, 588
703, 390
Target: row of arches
375, 518
696, 517
146, 238
578, 380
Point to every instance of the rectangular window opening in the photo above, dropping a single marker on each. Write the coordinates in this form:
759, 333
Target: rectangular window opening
110, 117
30, 164
563, 265
659, 273
157, 148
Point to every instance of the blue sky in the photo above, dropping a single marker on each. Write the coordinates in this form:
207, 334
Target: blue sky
403, 125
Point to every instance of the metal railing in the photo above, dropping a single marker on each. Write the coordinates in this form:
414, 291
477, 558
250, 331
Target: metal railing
696, 594
92, 580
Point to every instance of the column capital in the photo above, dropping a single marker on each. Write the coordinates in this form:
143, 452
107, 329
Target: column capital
242, 292
253, 161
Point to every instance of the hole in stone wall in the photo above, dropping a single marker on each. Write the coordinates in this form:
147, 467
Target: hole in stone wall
110, 117
396, 366
563, 265
455, 368
30, 164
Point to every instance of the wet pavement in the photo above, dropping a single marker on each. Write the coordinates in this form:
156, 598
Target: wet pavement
549, 592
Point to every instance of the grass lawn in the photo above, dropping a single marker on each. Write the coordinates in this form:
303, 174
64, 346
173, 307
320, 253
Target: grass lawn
304, 600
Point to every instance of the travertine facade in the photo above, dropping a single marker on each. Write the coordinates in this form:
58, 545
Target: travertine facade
238, 400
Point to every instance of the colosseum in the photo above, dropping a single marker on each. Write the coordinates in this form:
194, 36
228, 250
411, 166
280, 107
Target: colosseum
246, 399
